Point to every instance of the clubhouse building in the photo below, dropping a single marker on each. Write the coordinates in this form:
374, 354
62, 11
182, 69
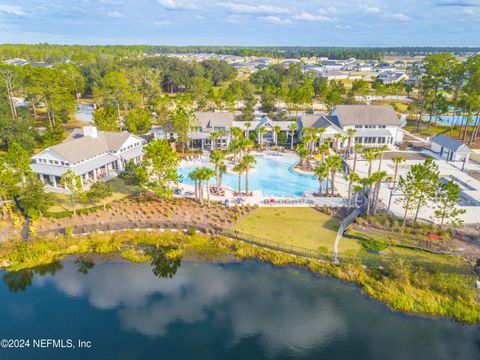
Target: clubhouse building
89, 153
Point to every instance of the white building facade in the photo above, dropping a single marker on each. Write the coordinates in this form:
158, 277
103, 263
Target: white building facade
90, 154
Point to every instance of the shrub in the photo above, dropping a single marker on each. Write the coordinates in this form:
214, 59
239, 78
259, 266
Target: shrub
192, 231
374, 243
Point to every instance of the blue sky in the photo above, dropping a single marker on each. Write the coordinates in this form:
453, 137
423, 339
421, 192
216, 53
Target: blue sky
242, 22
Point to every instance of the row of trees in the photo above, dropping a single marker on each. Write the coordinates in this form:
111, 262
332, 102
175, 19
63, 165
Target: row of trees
448, 83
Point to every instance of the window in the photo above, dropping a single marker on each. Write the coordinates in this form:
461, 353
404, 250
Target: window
358, 126
358, 140
382, 126
370, 126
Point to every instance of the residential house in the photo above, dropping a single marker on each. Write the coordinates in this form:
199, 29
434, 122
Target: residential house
385, 67
375, 125
203, 126
391, 77
268, 137
89, 153
332, 65
334, 75
363, 67
23, 62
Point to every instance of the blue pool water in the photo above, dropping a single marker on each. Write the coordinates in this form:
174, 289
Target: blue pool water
272, 175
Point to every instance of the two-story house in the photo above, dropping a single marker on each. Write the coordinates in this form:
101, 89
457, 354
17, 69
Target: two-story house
375, 125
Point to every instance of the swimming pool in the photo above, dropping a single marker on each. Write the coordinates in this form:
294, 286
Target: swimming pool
272, 175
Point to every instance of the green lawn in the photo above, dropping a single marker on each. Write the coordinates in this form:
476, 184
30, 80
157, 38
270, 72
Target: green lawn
434, 129
120, 191
304, 227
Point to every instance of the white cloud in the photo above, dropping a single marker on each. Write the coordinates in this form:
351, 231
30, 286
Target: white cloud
275, 20
399, 17
372, 9
115, 14
241, 8
177, 4
12, 10
312, 17
328, 10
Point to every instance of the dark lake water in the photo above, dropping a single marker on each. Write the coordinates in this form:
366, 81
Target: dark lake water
245, 310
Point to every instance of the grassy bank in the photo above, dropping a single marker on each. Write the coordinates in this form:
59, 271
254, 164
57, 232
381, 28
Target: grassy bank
305, 227
400, 285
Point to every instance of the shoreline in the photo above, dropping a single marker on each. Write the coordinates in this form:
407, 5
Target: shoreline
139, 247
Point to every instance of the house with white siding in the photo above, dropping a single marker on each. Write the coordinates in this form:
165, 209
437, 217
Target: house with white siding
375, 125
90, 154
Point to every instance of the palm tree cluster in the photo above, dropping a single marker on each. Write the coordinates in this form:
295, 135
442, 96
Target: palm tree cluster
243, 167
200, 176
372, 183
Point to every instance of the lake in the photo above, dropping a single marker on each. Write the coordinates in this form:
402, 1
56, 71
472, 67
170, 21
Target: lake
244, 310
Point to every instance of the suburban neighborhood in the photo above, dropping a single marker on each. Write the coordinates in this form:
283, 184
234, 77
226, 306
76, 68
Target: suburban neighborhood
234, 201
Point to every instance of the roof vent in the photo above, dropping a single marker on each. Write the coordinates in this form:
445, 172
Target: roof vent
90, 131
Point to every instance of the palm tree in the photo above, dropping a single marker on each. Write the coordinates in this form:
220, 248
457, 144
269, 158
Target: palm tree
260, 132
321, 173
397, 160
194, 175
370, 155
234, 148
247, 164
239, 170
350, 134
356, 190
248, 126
334, 163
377, 179
217, 158
214, 135
303, 153
292, 127
337, 138
352, 178
357, 148
323, 150
236, 132
367, 184
276, 130
223, 170
380, 151
207, 174
244, 145
319, 132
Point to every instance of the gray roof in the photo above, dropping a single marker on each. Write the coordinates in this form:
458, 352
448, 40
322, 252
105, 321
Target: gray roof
366, 115
320, 121
78, 147
215, 119
451, 144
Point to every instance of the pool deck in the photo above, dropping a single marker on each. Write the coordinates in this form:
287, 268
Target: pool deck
258, 198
